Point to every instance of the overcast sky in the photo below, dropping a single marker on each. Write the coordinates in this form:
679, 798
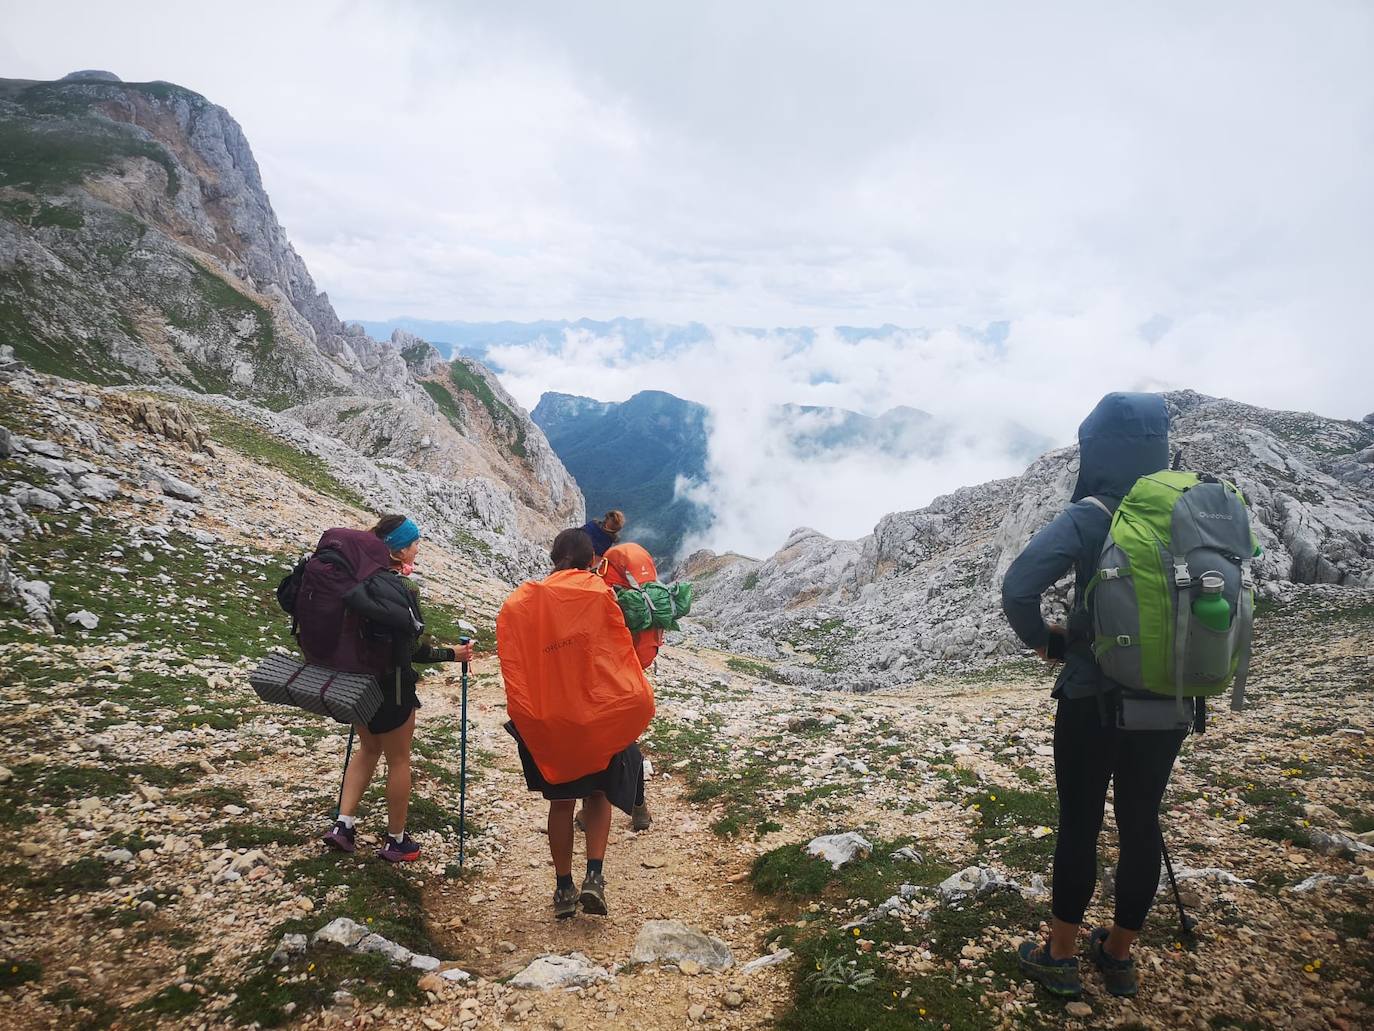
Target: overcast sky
1153, 195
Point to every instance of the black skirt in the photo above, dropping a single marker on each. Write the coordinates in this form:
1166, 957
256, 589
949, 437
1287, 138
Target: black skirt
620, 781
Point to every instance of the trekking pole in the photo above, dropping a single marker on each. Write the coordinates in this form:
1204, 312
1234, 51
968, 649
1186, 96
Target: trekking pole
463, 764
348, 755
1186, 922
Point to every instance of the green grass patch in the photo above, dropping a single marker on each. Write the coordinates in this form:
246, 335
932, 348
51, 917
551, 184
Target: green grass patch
502, 417
444, 400
379, 895
46, 156
1006, 818
310, 981
753, 668
788, 870
259, 445
14, 972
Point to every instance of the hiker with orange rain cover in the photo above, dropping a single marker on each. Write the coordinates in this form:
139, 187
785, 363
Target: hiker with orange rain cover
578, 701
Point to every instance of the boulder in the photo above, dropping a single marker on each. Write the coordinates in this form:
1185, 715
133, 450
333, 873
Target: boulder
839, 849
341, 931
674, 942
572, 971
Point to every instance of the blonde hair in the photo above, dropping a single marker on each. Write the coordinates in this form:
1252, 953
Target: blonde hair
613, 521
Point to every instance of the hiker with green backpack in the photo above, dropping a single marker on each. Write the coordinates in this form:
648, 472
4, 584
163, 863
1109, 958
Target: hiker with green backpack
1161, 619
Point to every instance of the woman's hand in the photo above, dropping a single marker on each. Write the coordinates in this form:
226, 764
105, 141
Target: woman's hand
462, 652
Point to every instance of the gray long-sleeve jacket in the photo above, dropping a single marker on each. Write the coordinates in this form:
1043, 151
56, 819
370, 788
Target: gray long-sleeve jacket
1124, 438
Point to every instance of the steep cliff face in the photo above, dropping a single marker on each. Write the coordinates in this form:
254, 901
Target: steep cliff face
922, 592
137, 244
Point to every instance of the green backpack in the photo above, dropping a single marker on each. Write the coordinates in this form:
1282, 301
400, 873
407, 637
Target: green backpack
1173, 600
654, 605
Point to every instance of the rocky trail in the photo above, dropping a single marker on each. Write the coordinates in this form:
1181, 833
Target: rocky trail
159, 824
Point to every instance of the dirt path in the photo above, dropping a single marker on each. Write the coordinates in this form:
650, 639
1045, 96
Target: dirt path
501, 919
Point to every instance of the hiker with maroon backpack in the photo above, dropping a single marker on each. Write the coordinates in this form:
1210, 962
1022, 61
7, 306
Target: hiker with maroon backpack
355, 612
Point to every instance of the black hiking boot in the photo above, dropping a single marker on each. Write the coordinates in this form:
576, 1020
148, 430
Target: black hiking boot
594, 894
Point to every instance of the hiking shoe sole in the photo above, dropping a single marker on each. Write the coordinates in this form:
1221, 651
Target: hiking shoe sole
1059, 979
640, 819
565, 903
593, 898
1118, 975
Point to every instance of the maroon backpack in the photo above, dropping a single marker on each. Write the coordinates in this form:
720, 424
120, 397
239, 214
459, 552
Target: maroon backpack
328, 632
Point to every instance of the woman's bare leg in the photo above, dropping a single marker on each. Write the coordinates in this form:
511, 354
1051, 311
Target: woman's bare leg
360, 770
596, 813
396, 747
561, 835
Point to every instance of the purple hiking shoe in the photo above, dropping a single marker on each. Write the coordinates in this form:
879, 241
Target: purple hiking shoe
345, 839
407, 850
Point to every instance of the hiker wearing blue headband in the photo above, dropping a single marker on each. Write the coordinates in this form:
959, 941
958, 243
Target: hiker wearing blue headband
391, 731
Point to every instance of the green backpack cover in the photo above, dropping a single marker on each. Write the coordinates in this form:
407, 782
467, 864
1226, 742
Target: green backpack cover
654, 605
1172, 600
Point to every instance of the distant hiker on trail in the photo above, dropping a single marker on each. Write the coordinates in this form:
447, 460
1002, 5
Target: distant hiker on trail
1124, 438
578, 701
383, 625
604, 532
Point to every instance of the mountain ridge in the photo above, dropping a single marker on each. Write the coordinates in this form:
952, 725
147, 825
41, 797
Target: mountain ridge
138, 245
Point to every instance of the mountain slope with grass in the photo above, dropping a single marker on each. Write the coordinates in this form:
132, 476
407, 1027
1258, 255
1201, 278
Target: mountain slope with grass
921, 594
159, 824
138, 245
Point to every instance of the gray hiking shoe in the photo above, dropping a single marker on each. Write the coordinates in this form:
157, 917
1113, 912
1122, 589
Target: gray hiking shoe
640, 819
1058, 976
565, 902
1117, 974
594, 895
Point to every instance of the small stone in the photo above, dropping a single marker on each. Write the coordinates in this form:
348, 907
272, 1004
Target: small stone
696, 1012
432, 983
6, 775
85, 619
689, 967
233, 810
341, 931
1078, 1009
148, 793
432, 1024
507, 946
733, 1000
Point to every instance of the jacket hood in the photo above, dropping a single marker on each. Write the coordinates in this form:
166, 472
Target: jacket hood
1124, 438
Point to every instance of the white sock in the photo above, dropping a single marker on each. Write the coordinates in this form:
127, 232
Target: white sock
398, 837
347, 821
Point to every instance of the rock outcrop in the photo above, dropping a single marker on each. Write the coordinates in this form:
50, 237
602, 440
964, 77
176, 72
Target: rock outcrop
138, 245
921, 594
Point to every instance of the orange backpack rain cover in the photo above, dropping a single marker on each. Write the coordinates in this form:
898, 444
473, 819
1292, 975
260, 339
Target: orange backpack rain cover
633, 559
574, 686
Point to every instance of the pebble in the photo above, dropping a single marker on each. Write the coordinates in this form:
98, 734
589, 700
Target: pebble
1078, 1009
733, 1000
696, 1012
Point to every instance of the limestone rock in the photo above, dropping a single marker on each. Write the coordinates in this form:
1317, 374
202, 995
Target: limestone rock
341, 931
673, 941
553, 971
839, 849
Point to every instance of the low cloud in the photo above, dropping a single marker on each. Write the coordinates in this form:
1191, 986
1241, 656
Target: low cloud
995, 393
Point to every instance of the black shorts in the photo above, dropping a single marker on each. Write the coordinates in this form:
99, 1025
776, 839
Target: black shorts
619, 781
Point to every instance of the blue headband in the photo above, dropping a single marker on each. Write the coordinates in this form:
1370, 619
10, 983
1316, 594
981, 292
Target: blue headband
403, 536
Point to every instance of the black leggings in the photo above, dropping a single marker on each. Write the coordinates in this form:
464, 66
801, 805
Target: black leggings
1088, 756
